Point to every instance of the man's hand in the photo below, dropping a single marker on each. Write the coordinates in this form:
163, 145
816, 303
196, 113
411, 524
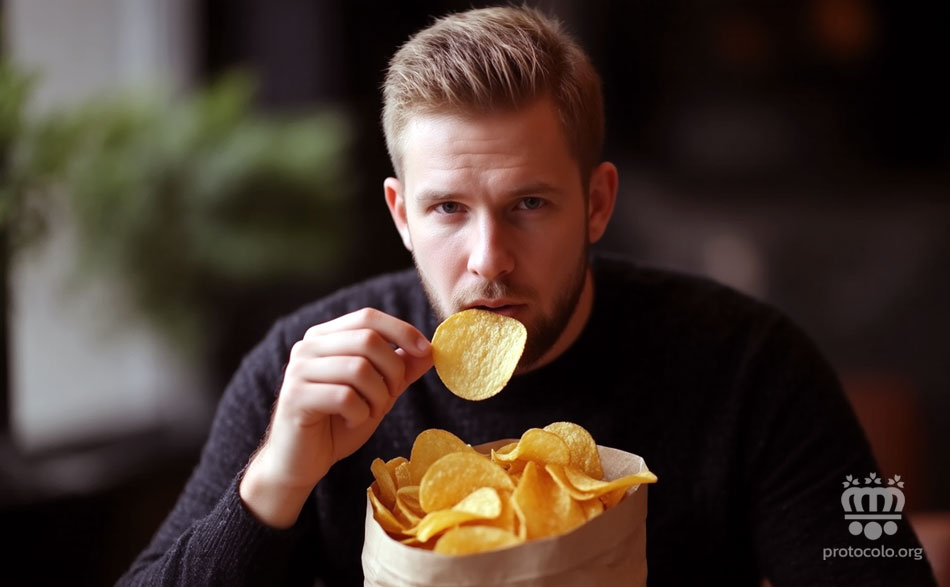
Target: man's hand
341, 379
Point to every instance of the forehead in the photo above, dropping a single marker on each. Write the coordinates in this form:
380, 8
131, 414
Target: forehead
529, 140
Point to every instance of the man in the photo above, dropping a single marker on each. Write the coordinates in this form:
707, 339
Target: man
494, 122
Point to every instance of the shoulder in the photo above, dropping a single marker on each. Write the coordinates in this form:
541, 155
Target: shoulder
672, 298
674, 314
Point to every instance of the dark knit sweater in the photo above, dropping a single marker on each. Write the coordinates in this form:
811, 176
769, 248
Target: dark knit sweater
728, 403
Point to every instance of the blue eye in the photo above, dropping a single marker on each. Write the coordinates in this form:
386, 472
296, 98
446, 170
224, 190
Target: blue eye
531, 203
448, 207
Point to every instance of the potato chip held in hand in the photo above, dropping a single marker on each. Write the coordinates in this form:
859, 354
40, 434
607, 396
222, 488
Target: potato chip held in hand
476, 351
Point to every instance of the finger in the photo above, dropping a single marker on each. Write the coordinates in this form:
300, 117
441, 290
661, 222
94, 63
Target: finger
393, 330
414, 367
329, 399
356, 343
355, 372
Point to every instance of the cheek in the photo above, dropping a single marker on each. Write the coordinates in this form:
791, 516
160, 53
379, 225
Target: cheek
564, 240
560, 255
439, 257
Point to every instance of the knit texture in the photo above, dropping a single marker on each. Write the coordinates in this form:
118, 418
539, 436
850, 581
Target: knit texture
729, 403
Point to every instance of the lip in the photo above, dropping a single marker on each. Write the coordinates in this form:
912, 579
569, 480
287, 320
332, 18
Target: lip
504, 307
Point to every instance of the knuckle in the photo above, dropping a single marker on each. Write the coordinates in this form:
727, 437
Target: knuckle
360, 367
369, 314
290, 391
294, 370
367, 337
312, 332
298, 349
349, 399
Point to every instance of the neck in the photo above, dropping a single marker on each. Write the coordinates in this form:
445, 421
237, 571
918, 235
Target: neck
574, 326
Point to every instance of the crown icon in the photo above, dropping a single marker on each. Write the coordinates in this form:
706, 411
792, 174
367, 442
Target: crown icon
873, 508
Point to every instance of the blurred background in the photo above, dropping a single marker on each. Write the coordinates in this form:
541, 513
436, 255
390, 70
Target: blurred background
176, 174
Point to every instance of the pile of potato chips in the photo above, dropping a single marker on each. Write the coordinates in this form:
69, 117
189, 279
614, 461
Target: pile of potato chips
452, 499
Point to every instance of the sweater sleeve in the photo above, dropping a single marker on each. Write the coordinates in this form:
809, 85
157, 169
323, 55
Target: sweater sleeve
210, 537
804, 441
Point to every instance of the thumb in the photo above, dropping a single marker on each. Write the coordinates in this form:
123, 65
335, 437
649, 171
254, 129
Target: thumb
415, 366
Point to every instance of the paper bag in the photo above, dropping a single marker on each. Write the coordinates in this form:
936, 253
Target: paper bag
607, 550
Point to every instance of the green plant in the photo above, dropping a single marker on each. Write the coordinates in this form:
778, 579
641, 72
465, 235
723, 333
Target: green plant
180, 198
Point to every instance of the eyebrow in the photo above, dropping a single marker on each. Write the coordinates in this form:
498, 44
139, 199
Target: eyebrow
432, 196
533, 188
539, 187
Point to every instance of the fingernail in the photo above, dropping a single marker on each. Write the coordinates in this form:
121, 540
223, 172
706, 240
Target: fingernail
422, 344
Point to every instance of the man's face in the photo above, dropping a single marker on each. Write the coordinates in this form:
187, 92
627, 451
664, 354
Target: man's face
494, 212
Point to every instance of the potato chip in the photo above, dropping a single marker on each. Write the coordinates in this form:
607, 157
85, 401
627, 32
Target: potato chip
473, 539
585, 483
431, 445
546, 509
402, 475
407, 502
515, 469
416, 543
582, 487
559, 474
406, 517
539, 446
506, 519
592, 508
456, 475
385, 482
407, 509
439, 521
476, 351
393, 464
387, 520
503, 450
482, 504
612, 498
584, 453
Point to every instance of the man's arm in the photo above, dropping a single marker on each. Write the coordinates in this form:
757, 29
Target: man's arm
804, 442
327, 407
342, 379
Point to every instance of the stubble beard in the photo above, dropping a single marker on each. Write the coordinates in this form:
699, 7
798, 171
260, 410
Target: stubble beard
544, 331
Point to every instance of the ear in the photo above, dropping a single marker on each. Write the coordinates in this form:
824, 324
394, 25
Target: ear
601, 200
397, 209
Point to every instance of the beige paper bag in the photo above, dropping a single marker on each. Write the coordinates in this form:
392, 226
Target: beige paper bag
608, 550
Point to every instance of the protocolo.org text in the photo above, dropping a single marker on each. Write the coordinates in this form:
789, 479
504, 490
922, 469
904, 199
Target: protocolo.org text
872, 552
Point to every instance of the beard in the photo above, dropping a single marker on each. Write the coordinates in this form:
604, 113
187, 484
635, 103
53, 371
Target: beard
544, 330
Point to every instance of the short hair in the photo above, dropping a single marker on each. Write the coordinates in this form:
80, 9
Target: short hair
491, 59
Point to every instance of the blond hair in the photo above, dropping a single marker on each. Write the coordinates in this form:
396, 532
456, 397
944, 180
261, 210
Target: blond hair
495, 58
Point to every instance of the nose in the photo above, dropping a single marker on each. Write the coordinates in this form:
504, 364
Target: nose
490, 254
